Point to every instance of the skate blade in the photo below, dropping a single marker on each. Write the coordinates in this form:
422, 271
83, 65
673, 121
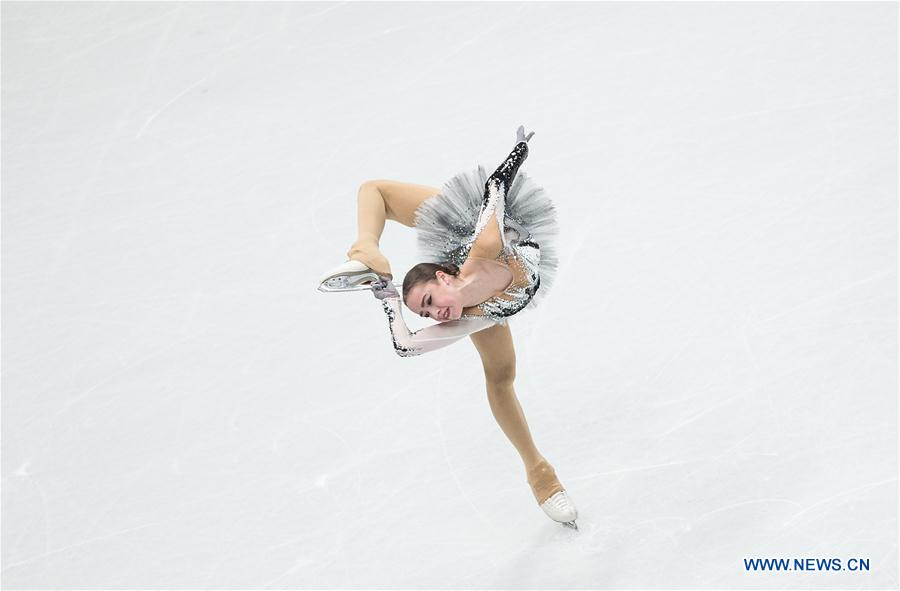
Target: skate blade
571, 524
359, 282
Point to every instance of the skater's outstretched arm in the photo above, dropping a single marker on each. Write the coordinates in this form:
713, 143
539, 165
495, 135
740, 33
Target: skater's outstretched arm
408, 344
489, 239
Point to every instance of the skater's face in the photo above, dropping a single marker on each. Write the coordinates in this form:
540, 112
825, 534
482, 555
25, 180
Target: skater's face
437, 299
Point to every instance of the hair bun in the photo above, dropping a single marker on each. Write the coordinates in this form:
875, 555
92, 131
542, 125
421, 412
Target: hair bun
454, 268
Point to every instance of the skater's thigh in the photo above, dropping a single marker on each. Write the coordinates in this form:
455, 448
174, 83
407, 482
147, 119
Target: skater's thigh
402, 199
495, 346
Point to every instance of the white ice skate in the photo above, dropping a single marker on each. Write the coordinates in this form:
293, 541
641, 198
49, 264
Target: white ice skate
349, 276
559, 507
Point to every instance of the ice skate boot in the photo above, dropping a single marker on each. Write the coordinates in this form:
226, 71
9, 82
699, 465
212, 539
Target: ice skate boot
551, 496
351, 275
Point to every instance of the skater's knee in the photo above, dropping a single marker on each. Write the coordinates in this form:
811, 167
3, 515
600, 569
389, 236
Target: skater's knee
500, 374
374, 186
369, 188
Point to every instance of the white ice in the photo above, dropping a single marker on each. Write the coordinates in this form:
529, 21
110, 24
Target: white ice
714, 375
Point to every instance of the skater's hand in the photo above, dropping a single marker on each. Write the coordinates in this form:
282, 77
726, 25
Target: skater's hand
520, 135
384, 288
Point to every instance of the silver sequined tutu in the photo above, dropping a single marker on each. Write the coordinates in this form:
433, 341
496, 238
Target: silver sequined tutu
445, 222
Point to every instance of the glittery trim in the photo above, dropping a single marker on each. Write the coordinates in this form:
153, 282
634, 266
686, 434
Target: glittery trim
401, 350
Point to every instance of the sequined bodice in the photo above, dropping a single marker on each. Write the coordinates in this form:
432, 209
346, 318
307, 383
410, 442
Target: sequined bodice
523, 259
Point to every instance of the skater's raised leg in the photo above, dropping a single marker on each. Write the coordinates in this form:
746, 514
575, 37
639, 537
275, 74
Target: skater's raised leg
377, 201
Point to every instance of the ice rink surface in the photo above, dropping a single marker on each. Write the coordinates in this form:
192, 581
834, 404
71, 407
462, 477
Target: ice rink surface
714, 375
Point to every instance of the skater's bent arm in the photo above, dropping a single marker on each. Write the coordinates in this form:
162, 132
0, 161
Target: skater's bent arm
488, 239
430, 338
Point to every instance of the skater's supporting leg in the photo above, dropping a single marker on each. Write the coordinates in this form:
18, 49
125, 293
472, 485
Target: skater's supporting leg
377, 201
495, 346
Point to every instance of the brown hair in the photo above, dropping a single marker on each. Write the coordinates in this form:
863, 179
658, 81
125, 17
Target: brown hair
424, 272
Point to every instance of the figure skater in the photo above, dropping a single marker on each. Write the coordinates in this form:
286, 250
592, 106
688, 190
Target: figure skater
490, 241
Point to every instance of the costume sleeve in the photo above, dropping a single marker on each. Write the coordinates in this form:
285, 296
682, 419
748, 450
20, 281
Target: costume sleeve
409, 344
489, 237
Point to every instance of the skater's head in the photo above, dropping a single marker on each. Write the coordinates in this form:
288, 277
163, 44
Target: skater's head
431, 291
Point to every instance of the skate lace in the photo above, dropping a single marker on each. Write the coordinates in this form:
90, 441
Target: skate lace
560, 501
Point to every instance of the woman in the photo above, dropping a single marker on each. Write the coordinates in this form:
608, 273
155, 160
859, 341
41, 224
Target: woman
488, 267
